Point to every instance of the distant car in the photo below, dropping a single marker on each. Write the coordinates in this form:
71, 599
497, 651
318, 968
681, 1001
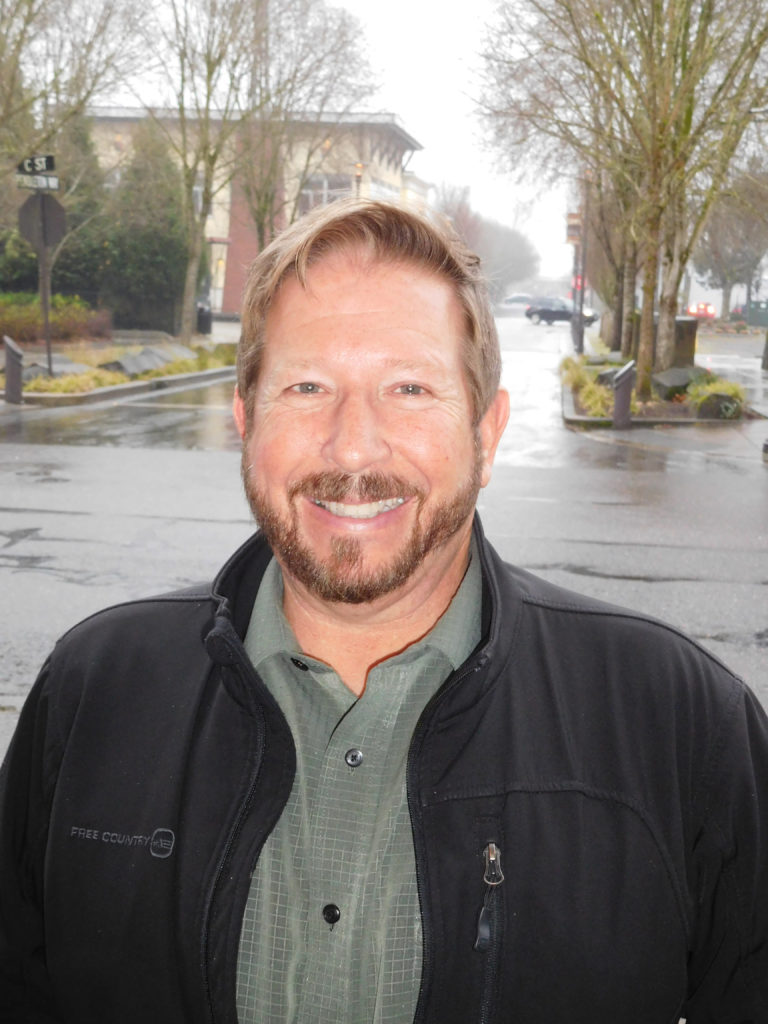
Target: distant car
702, 310
547, 309
513, 305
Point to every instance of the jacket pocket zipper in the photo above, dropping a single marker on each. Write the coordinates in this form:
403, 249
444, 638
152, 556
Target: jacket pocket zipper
488, 938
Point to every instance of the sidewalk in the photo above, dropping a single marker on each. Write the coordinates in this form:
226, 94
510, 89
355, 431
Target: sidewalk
735, 358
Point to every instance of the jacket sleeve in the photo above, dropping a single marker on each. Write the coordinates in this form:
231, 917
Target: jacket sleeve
728, 967
25, 785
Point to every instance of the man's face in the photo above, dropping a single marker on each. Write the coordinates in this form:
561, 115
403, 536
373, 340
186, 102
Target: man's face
361, 463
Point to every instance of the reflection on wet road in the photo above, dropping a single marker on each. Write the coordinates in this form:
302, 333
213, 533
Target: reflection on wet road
199, 418
196, 417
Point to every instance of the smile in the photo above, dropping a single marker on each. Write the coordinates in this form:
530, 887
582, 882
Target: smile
368, 510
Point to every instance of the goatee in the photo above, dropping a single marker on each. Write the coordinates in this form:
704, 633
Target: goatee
343, 575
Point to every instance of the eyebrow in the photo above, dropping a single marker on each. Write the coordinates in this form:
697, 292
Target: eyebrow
397, 365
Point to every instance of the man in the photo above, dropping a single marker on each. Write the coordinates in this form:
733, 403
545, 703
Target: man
374, 774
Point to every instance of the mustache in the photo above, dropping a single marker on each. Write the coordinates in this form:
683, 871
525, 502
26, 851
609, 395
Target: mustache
329, 486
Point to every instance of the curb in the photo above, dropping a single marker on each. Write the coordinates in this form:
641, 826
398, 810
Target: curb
139, 387
576, 419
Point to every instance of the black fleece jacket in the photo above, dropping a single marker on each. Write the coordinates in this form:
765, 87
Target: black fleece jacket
589, 798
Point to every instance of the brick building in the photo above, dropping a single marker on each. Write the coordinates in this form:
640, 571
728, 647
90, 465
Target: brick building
363, 154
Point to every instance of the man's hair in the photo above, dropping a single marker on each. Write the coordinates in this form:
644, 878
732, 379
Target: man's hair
387, 233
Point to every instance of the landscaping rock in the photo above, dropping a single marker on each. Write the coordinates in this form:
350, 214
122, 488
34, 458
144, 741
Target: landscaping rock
152, 357
179, 351
673, 382
719, 407
606, 376
62, 366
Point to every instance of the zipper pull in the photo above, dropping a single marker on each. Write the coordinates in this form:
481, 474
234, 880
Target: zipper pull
492, 877
493, 873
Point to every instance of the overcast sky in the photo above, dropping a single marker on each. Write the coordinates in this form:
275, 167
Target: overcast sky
425, 52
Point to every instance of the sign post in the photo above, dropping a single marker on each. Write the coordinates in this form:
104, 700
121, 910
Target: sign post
42, 223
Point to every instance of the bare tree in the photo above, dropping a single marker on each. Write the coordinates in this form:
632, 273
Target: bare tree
205, 51
656, 95
735, 237
56, 57
311, 73
229, 76
507, 255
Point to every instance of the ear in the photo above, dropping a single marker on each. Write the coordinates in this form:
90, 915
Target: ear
491, 428
238, 412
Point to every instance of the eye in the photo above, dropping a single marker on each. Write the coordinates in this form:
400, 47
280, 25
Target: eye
410, 389
307, 387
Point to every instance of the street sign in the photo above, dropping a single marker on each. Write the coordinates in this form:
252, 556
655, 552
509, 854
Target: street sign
38, 182
36, 164
42, 221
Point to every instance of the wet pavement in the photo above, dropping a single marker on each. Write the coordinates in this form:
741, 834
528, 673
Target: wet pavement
114, 500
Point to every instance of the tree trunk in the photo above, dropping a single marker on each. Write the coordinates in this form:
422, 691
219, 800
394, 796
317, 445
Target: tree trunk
665, 333
725, 310
188, 323
645, 345
618, 317
672, 268
685, 295
629, 280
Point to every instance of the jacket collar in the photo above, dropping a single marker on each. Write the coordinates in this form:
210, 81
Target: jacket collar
236, 585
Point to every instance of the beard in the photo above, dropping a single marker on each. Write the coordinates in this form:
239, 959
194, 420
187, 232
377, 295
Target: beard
343, 576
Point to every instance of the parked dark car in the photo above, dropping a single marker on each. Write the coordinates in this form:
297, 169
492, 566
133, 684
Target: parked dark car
547, 309
513, 305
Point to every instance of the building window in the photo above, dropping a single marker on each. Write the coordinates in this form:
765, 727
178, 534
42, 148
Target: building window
321, 189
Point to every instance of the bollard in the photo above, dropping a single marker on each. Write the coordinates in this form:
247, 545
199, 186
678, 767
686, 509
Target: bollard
13, 358
623, 382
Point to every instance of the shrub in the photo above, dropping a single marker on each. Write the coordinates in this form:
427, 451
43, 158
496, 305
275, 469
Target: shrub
177, 366
574, 372
701, 388
225, 353
596, 399
76, 383
21, 318
222, 355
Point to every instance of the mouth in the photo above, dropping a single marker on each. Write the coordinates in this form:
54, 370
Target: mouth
366, 510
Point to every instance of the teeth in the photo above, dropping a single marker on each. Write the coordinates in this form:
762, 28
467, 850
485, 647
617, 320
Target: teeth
367, 511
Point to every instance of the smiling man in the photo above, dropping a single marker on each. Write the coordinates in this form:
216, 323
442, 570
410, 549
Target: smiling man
373, 774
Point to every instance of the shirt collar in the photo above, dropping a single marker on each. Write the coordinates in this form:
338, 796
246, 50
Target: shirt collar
456, 633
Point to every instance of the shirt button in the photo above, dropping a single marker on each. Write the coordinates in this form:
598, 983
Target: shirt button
331, 913
354, 757
300, 664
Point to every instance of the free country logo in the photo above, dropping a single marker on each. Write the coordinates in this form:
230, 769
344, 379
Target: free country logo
160, 843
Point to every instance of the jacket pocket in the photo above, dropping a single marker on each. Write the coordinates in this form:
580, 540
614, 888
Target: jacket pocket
488, 940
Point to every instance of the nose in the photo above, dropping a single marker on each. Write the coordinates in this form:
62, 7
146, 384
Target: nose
355, 438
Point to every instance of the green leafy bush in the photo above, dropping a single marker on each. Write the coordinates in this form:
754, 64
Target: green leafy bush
709, 384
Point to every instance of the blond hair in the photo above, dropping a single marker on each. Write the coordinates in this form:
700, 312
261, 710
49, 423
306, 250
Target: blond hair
389, 233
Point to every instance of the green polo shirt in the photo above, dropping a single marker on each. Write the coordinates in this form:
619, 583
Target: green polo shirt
332, 930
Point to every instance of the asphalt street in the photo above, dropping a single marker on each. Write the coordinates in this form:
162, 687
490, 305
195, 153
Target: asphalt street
125, 498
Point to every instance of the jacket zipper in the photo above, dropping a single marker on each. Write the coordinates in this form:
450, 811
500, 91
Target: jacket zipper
230, 843
419, 844
488, 938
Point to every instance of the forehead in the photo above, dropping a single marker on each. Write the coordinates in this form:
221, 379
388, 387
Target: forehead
352, 291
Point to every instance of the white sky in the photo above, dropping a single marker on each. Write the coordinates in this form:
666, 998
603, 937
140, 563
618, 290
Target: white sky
425, 55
